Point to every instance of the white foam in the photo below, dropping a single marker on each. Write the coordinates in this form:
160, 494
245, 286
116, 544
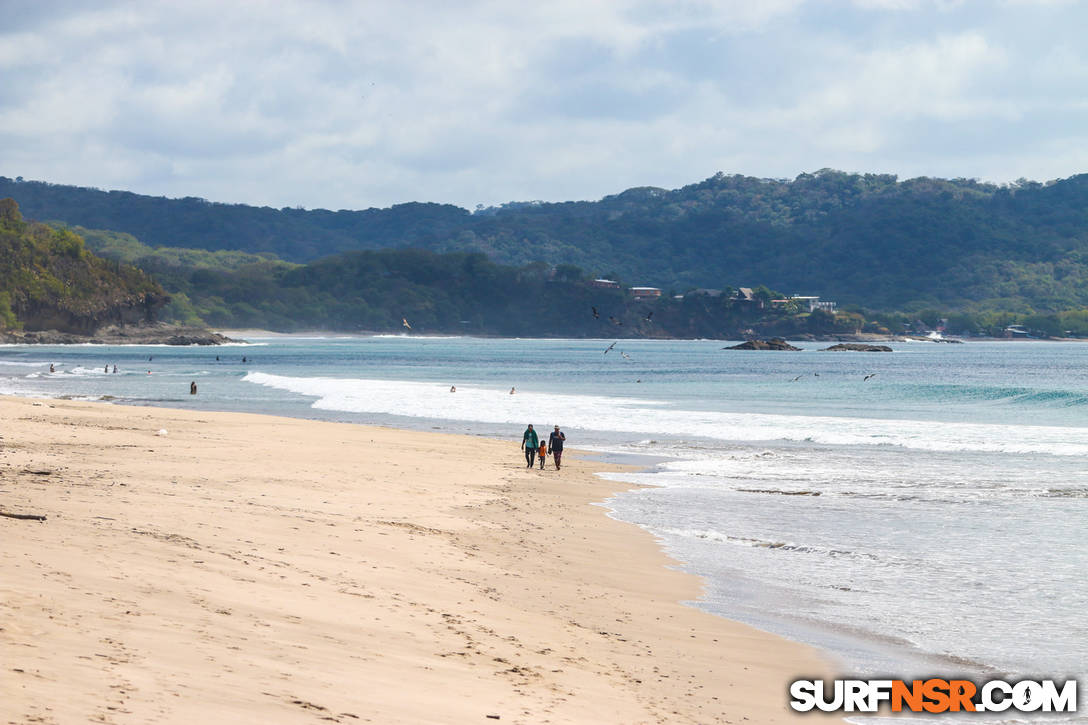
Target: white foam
406, 336
80, 371
636, 416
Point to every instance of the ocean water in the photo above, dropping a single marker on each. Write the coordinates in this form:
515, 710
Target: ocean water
931, 519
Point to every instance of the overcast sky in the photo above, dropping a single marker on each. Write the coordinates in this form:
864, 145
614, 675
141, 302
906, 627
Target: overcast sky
359, 104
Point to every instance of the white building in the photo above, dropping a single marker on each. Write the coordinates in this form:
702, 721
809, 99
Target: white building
813, 303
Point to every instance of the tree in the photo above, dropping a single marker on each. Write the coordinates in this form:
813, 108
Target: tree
568, 273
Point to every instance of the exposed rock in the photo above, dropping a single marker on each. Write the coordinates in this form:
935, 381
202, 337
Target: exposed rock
857, 347
154, 334
775, 343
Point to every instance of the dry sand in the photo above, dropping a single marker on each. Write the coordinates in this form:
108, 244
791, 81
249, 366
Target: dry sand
253, 569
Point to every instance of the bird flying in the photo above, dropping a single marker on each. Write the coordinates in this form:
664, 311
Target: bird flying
404, 321
870, 375
596, 315
609, 348
625, 355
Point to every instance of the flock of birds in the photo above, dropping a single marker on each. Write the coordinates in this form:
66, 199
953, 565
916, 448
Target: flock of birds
649, 317
865, 379
609, 349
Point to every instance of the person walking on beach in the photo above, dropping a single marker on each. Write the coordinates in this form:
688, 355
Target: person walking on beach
555, 445
542, 452
530, 442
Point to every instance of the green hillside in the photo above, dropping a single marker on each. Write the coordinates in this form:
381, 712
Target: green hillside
869, 240
455, 292
460, 293
49, 280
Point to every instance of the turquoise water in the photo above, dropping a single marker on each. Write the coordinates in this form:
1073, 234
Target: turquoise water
933, 518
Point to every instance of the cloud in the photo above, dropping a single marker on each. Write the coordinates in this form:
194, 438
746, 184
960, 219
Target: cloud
350, 105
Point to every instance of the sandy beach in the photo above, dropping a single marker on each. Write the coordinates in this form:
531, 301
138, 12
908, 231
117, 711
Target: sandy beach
254, 569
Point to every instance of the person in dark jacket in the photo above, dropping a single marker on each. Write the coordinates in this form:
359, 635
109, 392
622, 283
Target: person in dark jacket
555, 445
530, 442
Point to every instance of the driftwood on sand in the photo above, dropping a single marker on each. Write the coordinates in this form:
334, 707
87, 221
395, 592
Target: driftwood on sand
28, 517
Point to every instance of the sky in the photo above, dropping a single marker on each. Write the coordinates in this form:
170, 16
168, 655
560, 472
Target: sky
351, 105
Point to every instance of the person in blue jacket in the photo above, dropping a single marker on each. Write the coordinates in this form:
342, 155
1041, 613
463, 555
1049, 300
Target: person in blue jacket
530, 443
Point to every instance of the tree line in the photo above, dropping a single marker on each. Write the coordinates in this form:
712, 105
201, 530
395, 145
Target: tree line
863, 239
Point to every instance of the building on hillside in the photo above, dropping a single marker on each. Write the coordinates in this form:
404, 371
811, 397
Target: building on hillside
813, 303
646, 293
1016, 331
745, 296
605, 283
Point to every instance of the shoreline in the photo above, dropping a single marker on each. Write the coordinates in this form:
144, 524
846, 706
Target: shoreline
184, 336
860, 337
334, 561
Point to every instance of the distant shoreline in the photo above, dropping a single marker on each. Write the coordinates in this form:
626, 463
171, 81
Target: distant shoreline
181, 335
861, 337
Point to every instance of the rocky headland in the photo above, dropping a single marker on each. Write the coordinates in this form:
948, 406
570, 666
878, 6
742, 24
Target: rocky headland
151, 334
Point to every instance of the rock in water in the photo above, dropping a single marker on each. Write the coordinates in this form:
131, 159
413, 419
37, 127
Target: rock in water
857, 347
775, 343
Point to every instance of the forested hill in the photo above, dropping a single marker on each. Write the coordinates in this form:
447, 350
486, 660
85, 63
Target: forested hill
867, 239
296, 235
50, 280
